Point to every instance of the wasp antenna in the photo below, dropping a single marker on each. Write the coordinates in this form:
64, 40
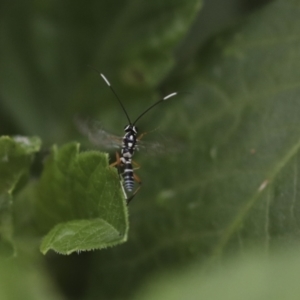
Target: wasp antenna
159, 101
96, 70
169, 96
116, 95
105, 79
111, 88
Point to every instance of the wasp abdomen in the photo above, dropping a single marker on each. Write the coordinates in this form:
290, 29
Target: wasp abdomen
127, 174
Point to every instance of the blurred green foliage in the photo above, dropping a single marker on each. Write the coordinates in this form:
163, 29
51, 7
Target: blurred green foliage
227, 183
251, 276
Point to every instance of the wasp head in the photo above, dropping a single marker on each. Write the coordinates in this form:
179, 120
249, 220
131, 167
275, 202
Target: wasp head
131, 128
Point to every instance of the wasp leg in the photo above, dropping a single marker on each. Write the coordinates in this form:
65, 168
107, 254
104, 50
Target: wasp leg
136, 166
141, 135
117, 162
144, 133
137, 179
123, 190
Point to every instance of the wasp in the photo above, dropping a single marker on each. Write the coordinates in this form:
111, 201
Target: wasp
130, 143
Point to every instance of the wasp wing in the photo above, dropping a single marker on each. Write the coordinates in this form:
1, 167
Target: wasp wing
96, 134
104, 140
162, 145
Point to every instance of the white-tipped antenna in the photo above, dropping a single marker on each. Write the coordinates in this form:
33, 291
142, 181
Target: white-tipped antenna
105, 79
108, 83
169, 96
159, 101
112, 89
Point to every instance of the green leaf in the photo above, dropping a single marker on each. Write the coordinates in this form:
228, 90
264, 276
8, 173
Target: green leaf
79, 202
252, 276
15, 159
239, 177
236, 184
83, 235
16, 155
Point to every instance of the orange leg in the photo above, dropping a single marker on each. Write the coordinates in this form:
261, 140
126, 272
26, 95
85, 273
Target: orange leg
144, 133
137, 178
136, 165
141, 135
117, 162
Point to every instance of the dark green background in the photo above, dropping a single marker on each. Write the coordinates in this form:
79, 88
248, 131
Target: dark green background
232, 182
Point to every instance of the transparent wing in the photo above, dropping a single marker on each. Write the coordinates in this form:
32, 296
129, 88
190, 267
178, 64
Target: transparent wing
96, 134
105, 140
162, 145
151, 147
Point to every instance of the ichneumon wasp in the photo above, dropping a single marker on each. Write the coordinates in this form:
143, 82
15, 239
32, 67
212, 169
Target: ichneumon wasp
129, 144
